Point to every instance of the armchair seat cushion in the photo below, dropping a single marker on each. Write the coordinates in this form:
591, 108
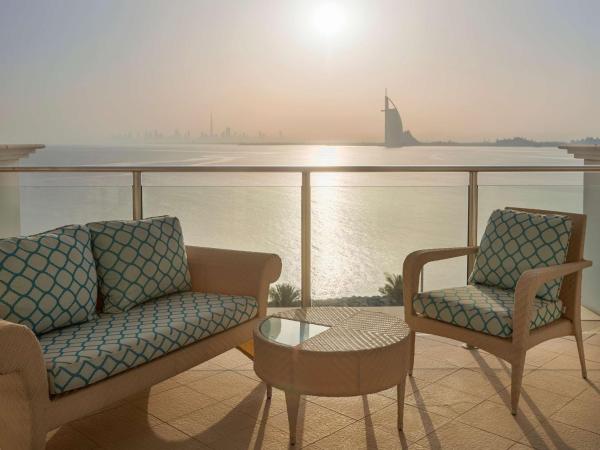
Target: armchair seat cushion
86, 353
482, 308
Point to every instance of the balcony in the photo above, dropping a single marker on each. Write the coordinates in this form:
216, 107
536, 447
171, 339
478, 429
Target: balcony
458, 397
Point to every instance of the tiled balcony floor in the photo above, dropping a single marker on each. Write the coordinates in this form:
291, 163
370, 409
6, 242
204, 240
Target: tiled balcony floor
458, 399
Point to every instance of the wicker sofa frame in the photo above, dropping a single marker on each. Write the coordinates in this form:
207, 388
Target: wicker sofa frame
28, 412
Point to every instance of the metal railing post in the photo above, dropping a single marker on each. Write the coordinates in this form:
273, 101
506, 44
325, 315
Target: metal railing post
305, 229
473, 204
136, 193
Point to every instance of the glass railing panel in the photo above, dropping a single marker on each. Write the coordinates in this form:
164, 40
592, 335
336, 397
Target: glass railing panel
547, 191
362, 233
253, 212
36, 202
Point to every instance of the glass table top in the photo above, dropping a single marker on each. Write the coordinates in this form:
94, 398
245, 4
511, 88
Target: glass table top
289, 332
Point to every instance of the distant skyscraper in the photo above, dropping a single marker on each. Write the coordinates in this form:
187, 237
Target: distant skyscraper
395, 136
211, 124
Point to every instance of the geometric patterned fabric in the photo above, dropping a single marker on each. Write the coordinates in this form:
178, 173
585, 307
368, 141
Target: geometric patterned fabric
514, 242
83, 354
48, 281
482, 308
138, 261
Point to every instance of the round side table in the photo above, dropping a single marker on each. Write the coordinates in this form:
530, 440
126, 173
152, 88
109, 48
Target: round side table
331, 352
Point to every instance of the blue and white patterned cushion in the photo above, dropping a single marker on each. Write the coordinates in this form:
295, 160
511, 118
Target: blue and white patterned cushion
48, 281
87, 353
482, 308
515, 241
138, 260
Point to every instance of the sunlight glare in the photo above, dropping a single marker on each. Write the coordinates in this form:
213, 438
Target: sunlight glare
329, 19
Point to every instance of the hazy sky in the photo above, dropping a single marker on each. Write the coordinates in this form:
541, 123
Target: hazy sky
82, 70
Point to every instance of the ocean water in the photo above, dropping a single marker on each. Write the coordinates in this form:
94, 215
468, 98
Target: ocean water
363, 225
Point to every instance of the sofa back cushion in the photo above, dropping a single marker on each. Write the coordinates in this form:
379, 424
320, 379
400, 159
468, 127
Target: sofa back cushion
138, 260
515, 241
48, 281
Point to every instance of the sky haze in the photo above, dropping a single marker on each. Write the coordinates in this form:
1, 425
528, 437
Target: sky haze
82, 71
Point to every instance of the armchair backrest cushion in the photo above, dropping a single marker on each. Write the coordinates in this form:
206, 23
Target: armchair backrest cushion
138, 260
48, 281
515, 241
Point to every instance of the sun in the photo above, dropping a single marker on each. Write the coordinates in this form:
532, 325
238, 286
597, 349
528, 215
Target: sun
329, 19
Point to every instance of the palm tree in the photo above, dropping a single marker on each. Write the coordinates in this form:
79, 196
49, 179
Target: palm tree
393, 287
284, 294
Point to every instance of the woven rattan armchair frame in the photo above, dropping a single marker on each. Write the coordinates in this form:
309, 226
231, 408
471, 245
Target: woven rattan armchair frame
512, 349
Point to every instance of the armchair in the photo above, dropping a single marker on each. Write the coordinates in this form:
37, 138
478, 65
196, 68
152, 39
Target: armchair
508, 322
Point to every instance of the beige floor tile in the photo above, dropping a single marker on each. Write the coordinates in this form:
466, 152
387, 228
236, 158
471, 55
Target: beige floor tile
591, 352
491, 362
192, 376
157, 389
249, 374
225, 385
443, 400
498, 419
115, 424
412, 385
67, 438
458, 356
430, 370
570, 365
208, 365
533, 402
569, 348
442, 339
417, 422
593, 340
354, 407
431, 344
213, 423
538, 356
362, 436
559, 436
558, 345
255, 403
581, 413
314, 422
159, 438
174, 403
231, 359
263, 437
477, 383
555, 381
459, 436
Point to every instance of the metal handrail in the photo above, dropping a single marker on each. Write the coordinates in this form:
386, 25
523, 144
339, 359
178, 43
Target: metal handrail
305, 201
300, 169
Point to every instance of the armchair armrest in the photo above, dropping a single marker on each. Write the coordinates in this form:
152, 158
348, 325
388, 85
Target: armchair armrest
24, 393
413, 264
527, 287
234, 272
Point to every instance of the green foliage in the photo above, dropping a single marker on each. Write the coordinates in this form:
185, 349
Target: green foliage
393, 287
284, 294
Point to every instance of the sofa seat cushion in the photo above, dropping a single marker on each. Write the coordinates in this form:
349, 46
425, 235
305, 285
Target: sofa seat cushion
87, 353
482, 308
48, 281
138, 260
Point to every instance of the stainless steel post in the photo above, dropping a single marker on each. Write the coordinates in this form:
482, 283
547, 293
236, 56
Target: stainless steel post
136, 192
306, 238
473, 203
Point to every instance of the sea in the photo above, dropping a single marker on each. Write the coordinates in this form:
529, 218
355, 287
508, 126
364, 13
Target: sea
363, 224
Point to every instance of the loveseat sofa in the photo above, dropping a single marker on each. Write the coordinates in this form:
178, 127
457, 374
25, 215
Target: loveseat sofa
92, 314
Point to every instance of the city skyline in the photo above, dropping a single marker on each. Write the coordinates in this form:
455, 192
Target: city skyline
312, 70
